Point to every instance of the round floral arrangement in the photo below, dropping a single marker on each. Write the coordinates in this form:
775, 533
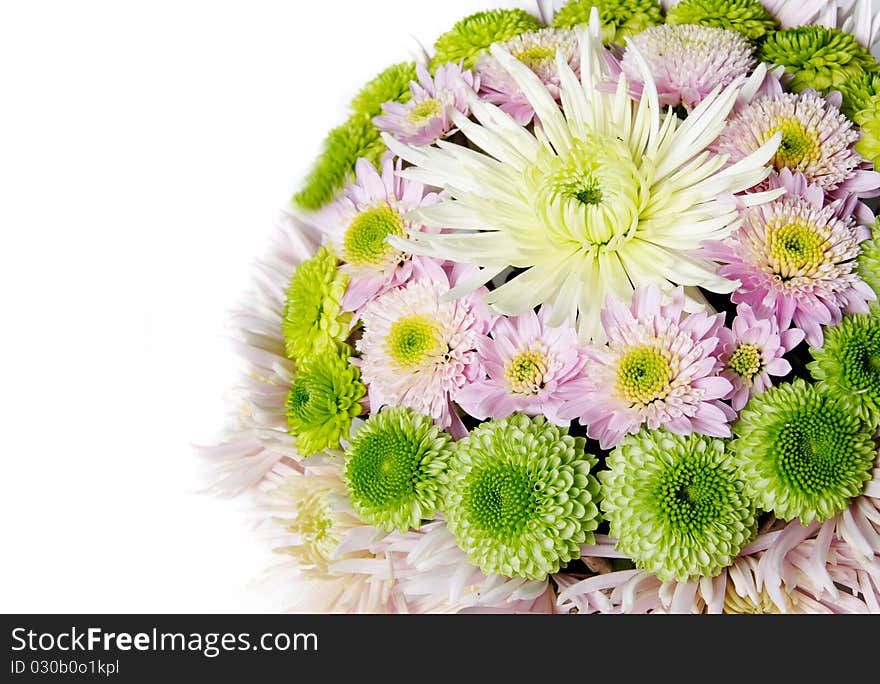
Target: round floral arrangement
578, 313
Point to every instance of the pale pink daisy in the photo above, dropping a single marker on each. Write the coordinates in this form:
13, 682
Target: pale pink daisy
537, 50
795, 260
418, 349
687, 62
428, 114
528, 367
657, 369
817, 140
375, 206
751, 351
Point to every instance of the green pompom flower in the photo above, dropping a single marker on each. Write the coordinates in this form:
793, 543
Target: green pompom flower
748, 17
804, 453
868, 120
334, 167
817, 57
313, 321
620, 18
475, 33
857, 92
392, 85
869, 266
396, 469
326, 394
848, 364
521, 497
677, 505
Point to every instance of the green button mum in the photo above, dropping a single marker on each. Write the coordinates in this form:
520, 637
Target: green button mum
391, 85
326, 394
868, 119
313, 321
817, 57
471, 36
620, 18
677, 505
522, 498
848, 364
869, 265
804, 453
396, 469
748, 17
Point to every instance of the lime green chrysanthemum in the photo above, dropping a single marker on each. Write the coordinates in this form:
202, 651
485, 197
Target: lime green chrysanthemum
848, 364
748, 17
677, 505
324, 398
868, 119
817, 57
620, 18
396, 470
803, 452
475, 33
392, 85
869, 266
313, 321
521, 497
858, 92
344, 145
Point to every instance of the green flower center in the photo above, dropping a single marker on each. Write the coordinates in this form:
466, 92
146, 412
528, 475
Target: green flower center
298, 402
814, 452
746, 361
692, 495
643, 375
536, 56
860, 360
525, 372
501, 500
795, 249
413, 339
588, 192
384, 469
424, 111
798, 147
364, 242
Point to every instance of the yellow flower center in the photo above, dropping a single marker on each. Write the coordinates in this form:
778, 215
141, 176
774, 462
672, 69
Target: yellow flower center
799, 146
413, 339
364, 241
424, 111
644, 375
525, 372
535, 56
745, 361
795, 249
734, 604
314, 524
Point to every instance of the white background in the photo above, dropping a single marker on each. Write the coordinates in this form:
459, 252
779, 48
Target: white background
144, 150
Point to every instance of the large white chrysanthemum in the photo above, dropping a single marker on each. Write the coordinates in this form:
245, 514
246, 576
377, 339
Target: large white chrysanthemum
606, 194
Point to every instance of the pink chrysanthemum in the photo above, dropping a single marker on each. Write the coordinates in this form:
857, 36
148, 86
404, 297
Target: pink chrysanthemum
657, 369
537, 50
751, 352
529, 367
418, 350
796, 261
428, 114
817, 140
687, 61
358, 223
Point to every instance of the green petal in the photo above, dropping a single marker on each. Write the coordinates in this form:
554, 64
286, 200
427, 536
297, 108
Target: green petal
817, 57
805, 453
471, 36
868, 119
848, 364
869, 266
522, 497
396, 469
620, 18
748, 17
325, 397
677, 505
313, 321
392, 85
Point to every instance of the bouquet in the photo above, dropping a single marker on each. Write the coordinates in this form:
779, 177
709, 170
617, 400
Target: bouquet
578, 313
